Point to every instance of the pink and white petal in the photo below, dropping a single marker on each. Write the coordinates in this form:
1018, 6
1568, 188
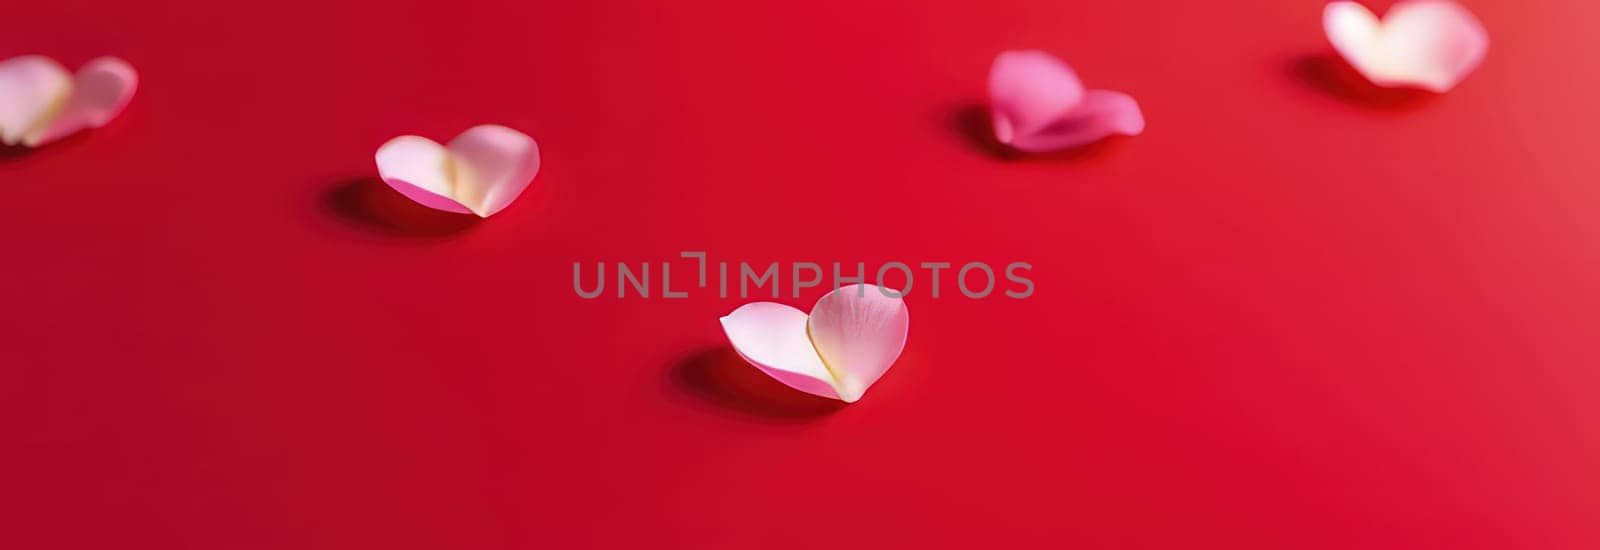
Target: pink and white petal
1356, 34
773, 337
1102, 113
1027, 90
1433, 43
859, 332
494, 164
33, 89
101, 90
420, 169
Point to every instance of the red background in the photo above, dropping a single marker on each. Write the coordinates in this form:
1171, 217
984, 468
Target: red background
1295, 313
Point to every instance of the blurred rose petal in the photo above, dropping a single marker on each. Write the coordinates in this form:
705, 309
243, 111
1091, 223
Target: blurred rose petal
480, 172
1038, 104
1429, 44
101, 89
40, 102
32, 90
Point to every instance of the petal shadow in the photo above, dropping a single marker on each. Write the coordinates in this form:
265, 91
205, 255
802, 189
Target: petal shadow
722, 380
61, 147
1330, 74
370, 204
971, 122
14, 152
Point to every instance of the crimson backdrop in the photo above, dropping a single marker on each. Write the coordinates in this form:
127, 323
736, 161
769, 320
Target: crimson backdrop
1295, 313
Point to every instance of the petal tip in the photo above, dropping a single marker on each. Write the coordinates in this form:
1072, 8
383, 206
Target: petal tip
1003, 131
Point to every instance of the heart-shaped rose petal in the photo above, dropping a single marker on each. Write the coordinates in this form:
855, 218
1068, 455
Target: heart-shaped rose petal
480, 172
40, 102
1429, 44
850, 339
1038, 104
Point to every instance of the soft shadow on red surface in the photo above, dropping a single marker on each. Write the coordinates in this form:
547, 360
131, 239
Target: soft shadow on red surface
64, 147
13, 152
372, 205
971, 122
719, 378
1331, 75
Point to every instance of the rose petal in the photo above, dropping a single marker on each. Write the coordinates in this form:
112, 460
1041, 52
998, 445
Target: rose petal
480, 172
420, 169
773, 337
1102, 113
101, 89
32, 90
859, 333
1430, 44
1038, 104
1028, 90
494, 164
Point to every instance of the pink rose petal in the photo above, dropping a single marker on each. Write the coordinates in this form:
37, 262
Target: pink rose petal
1102, 113
40, 102
422, 170
1028, 90
850, 339
1429, 44
32, 90
101, 89
494, 164
1038, 104
859, 333
480, 172
773, 337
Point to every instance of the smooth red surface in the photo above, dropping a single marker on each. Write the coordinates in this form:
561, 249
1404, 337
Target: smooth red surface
1295, 313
